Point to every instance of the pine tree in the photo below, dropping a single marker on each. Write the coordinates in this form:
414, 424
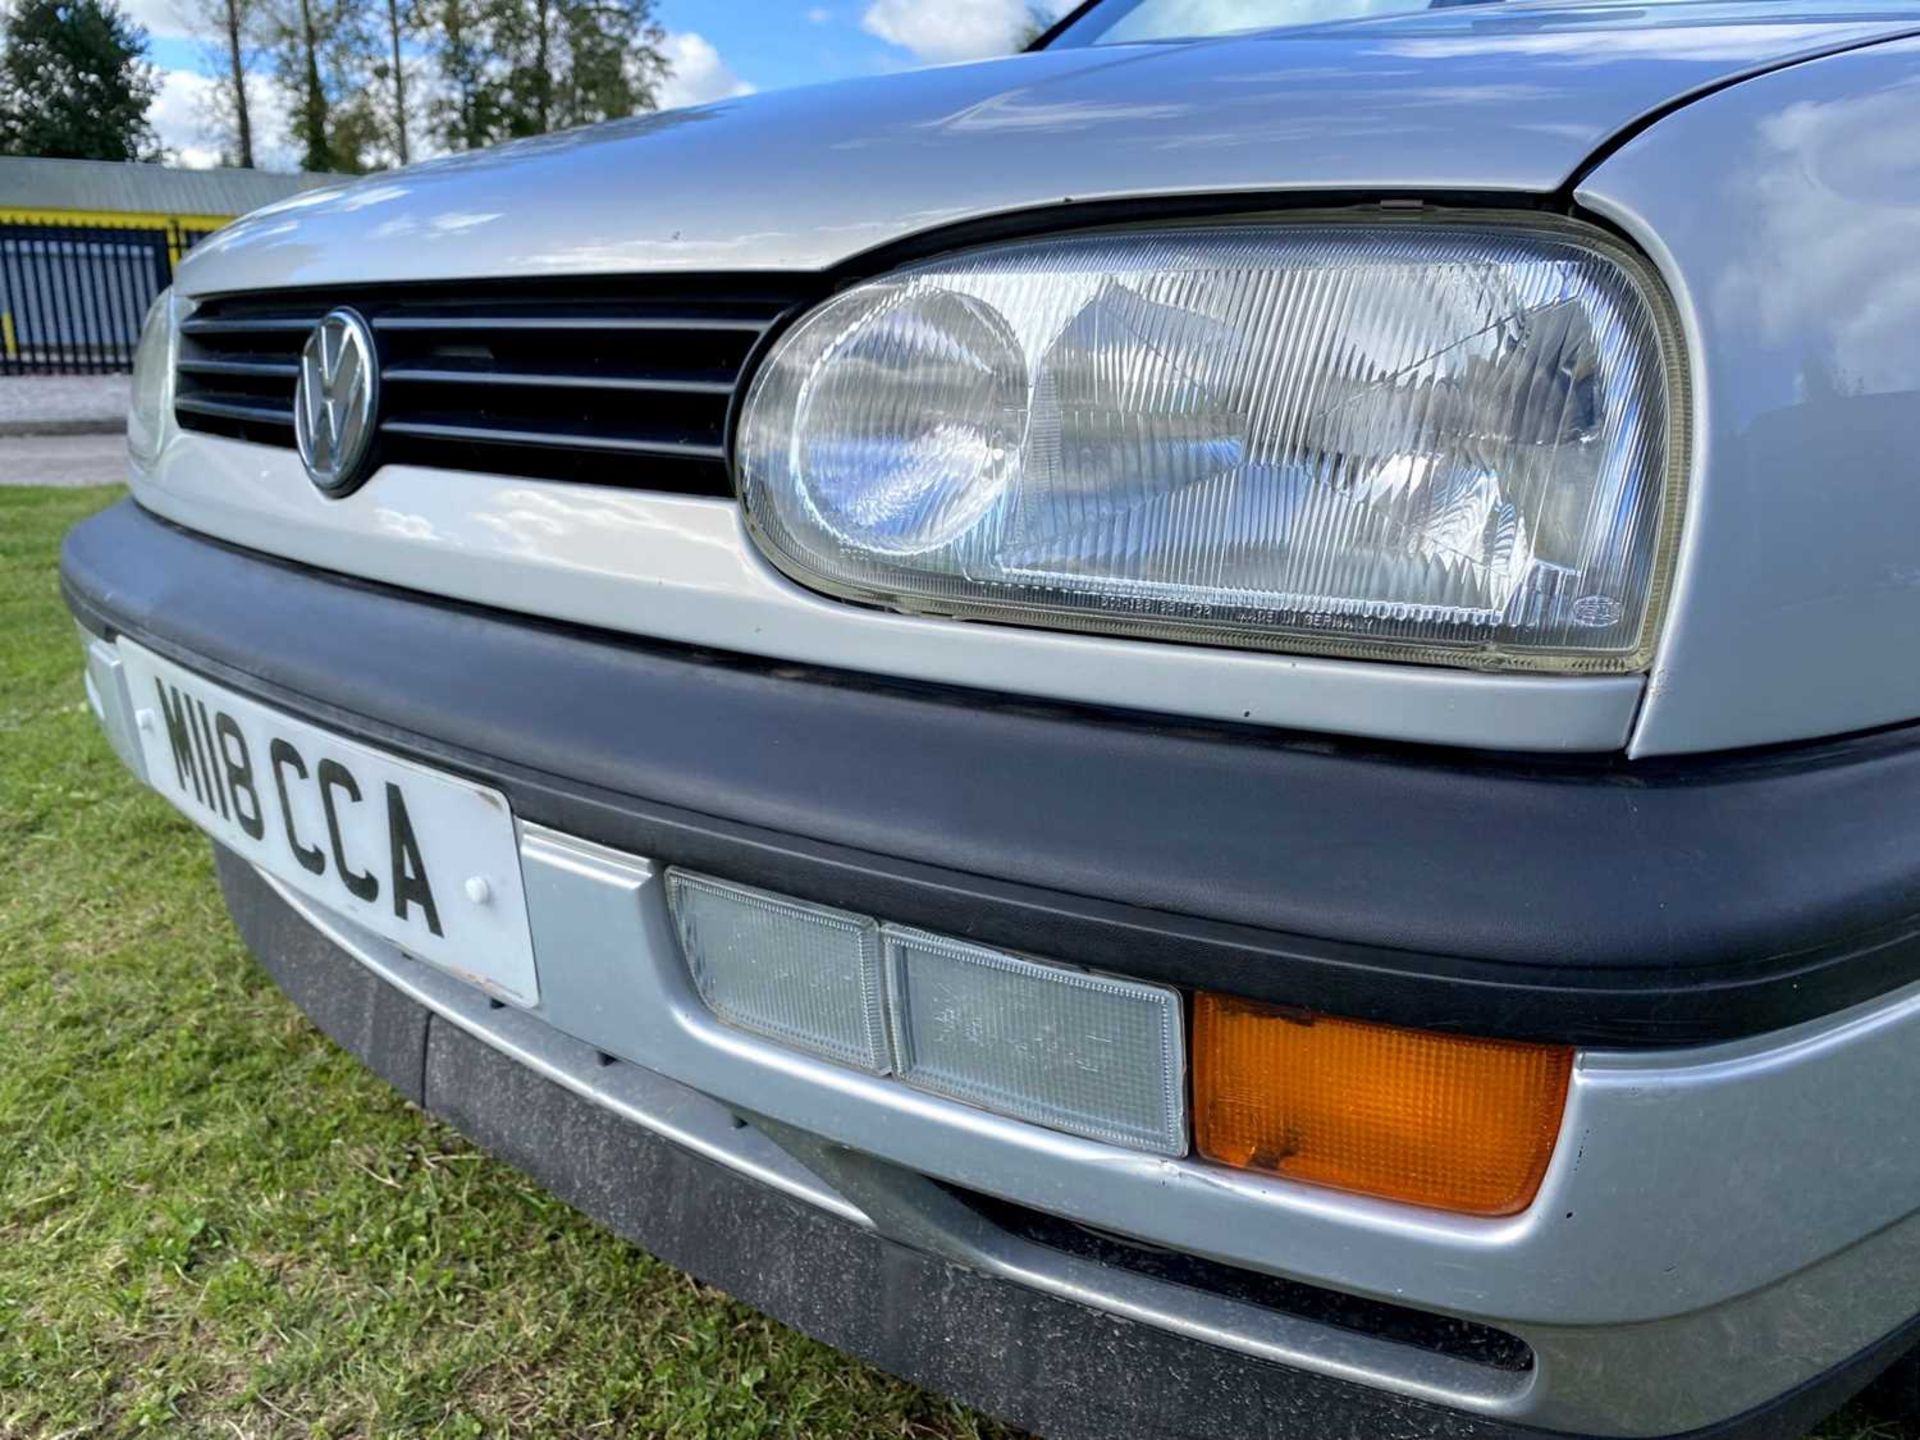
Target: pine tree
75, 82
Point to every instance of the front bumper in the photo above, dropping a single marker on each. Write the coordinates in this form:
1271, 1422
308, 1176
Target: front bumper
1647, 1301
675, 1172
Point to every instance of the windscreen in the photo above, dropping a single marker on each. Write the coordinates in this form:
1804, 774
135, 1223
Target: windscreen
1121, 22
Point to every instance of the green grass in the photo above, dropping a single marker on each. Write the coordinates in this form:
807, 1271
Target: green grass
213, 1222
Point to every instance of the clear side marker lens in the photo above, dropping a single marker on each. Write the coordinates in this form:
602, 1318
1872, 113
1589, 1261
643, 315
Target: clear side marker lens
1092, 1055
804, 974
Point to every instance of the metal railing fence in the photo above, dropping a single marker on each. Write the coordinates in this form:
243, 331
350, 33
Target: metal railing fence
72, 295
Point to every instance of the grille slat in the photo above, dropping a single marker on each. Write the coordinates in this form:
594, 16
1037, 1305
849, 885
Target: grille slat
572, 323
491, 435
236, 410
197, 327
665, 384
605, 381
288, 370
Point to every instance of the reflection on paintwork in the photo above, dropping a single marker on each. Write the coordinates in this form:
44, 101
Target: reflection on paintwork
407, 526
594, 528
1789, 208
1475, 99
1011, 113
1682, 42
435, 227
1834, 187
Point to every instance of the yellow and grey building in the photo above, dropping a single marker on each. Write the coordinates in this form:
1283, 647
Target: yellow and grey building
95, 192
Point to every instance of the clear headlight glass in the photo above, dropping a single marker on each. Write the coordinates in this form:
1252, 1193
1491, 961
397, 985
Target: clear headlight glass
149, 412
1449, 441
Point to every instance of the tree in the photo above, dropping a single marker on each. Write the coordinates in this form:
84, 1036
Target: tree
231, 26
463, 116
75, 82
322, 58
512, 68
394, 72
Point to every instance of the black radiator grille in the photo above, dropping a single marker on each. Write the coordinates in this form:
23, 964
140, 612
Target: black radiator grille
614, 382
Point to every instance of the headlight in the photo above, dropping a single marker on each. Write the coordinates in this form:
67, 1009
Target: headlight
1434, 440
148, 413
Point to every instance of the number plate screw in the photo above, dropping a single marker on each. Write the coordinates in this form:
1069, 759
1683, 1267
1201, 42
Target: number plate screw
478, 890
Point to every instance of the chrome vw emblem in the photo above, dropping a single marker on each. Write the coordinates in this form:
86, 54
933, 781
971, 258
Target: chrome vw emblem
333, 408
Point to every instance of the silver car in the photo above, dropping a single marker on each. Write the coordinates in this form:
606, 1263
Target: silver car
1214, 731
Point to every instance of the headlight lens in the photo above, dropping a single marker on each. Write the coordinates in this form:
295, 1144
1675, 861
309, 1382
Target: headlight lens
1436, 440
147, 414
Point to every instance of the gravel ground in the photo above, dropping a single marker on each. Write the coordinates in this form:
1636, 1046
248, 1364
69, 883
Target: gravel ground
62, 404
63, 460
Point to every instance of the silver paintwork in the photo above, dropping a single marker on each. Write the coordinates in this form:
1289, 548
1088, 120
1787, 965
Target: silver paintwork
1654, 1303
1786, 214
684, 569
335, 401
807, 178
1726, 195
1658, 1123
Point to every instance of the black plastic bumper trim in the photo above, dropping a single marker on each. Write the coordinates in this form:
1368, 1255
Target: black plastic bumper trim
1467, 1340
1591, 902
1040, 1362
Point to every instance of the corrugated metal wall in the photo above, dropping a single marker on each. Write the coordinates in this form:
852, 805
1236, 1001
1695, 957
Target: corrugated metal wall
49, 190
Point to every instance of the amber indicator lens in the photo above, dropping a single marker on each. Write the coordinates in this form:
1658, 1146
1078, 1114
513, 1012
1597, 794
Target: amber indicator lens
1437, 1120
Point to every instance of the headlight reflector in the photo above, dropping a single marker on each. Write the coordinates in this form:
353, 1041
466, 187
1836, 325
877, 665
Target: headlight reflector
1449, 441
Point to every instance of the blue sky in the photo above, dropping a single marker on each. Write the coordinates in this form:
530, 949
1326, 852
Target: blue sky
719, 47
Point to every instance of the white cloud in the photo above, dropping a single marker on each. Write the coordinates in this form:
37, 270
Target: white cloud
179, 117
942, 30
699, 73
183, 117
819, 15
163, 19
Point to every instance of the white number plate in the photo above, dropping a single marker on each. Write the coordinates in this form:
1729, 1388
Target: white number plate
429, 861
